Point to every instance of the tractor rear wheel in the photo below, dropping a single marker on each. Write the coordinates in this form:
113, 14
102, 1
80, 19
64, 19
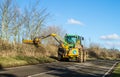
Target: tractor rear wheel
84, 56
80, 57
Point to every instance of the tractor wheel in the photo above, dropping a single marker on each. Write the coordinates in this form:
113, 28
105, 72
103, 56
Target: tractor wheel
60, 54
60, 57
67, 59
84, 56
79, 60
80, 57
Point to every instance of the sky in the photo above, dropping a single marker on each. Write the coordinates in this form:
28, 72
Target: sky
98, 21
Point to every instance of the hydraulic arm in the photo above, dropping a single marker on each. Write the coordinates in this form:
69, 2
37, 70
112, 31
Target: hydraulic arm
37, 40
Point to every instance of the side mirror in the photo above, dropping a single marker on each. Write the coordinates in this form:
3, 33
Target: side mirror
82, 38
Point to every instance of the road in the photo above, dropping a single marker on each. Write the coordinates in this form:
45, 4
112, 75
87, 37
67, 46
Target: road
60, 69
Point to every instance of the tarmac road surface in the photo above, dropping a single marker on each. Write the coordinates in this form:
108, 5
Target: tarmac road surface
97, 68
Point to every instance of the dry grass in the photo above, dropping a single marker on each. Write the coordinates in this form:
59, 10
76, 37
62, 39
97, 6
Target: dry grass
103, 53
8, 49
22, 54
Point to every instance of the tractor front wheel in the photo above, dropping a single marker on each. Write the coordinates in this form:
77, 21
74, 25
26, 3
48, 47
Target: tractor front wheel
60, 57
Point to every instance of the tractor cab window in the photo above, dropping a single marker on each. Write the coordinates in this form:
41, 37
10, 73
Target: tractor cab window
71, 40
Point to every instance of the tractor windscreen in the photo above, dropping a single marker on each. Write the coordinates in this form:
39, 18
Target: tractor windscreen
70, 39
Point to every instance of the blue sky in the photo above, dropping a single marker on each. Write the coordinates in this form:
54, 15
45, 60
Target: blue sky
97, 20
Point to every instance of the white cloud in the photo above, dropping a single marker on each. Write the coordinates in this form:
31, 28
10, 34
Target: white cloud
110, 37
114, 44
75, 22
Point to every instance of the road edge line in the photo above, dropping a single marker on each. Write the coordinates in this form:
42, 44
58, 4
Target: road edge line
40, 73
110, 69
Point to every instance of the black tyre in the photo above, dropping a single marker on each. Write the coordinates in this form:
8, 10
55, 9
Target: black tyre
60, 54
78, 60
60, 57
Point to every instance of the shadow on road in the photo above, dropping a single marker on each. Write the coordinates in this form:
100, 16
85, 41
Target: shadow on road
54, 57
92, 69
7, 75
1, 68
64, 60
65, 72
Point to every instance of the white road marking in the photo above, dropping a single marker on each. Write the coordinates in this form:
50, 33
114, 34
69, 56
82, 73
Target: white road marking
40, 73
110, 70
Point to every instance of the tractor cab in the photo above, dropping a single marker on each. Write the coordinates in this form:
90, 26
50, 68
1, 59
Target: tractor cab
72, 40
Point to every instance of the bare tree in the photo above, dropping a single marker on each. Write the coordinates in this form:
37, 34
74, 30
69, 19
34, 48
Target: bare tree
17, 24
53, 29
5, 18
14, 24
34, 20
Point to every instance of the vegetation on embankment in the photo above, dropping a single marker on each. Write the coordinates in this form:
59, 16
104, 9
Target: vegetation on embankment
116, 72
23, 60
97, 52
20, 54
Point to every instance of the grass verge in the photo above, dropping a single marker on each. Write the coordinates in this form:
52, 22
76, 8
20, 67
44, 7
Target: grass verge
116, 72
23, 60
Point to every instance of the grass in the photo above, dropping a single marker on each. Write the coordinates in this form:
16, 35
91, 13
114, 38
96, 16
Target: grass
23, 60
12, 55
116, 72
